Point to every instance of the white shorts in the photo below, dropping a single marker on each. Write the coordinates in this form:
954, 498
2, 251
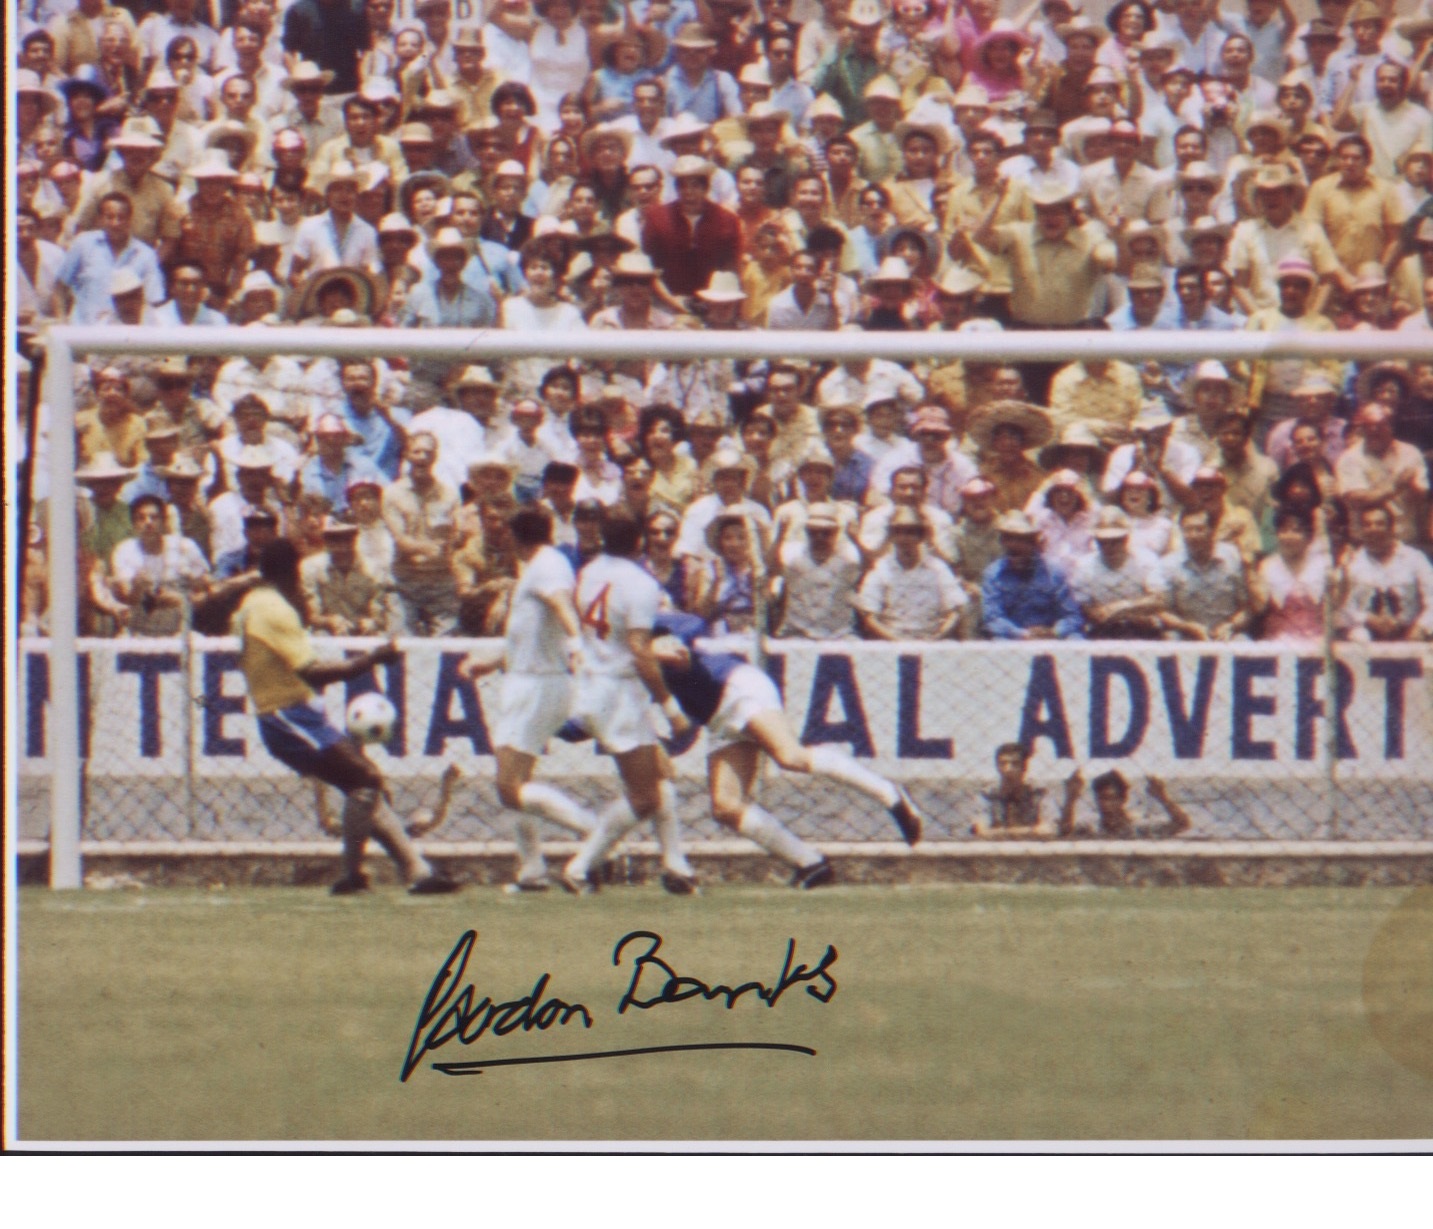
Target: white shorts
616, 711
748, 693
532, 708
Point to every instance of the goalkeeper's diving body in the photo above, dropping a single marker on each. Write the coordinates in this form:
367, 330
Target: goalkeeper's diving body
284, 675
742, 712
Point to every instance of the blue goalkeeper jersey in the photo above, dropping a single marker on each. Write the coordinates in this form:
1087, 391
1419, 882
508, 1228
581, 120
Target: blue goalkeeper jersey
697, 689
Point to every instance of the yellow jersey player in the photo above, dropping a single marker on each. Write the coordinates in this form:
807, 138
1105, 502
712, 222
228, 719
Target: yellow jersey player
284, 675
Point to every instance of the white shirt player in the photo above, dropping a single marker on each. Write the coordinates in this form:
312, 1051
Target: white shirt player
536, 642
614, 596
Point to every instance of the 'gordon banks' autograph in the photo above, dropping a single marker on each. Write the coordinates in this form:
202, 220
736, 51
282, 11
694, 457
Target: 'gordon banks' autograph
452, 1010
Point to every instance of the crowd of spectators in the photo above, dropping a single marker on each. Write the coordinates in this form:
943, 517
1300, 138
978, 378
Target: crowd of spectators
564, 165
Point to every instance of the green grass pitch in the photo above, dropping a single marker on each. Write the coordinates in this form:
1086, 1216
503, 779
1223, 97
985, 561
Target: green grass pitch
962, 1013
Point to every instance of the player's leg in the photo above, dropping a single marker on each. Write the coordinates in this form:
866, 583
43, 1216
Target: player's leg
424, 820
533, 800
678, 876
731, 776
772, 731
532, 710
364, 814
641, 773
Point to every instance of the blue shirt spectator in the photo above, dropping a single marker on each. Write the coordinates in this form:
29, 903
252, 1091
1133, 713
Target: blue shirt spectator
93, 260
853, 478
378, 446
1022, 593
333, 485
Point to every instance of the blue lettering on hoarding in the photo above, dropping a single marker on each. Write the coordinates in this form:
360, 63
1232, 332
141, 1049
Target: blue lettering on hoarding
37, 697
218, 704
909, 743
1042, 696
835, 676
1188, 726
1394, 671
149, 666
1309, 709
1102, 671
1247, 706
395, 687
442, 725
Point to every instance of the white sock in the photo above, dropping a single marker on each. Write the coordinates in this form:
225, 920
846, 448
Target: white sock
613, 824
669, 834
828, 762
549, 802
532, 867
780, 842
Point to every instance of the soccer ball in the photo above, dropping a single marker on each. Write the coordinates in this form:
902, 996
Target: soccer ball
370, 718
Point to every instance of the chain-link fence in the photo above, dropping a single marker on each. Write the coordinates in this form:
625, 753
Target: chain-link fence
1242, 736
1253, 742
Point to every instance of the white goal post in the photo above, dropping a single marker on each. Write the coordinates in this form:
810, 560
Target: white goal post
65, 342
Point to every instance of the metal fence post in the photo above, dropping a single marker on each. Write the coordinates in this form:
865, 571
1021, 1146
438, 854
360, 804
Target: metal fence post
64, 722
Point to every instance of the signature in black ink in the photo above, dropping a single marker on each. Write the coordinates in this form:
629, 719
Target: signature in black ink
451, 1010
677, 989
450, 1013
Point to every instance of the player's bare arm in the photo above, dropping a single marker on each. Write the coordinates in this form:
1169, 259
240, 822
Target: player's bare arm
649, 670
319, 675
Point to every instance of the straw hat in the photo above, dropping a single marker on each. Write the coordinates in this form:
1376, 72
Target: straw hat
332, 424
689, 166
1295, 267
926, 120
103, 467
184, 468
258, 282
213, 165
124, 281
341, 172
764, 113
1075, 435
959, 280
474, 376
25, 81
726, 460
825, 107
634, 265
357, 280
1016, 524
1111, 525
397, 224
1081, 26
447, 239
865, 13
883, 86
1033, 422
693, 35
1051, 194
892, 269
724, 287
607, 132
681, 127
816, 454
137, 133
